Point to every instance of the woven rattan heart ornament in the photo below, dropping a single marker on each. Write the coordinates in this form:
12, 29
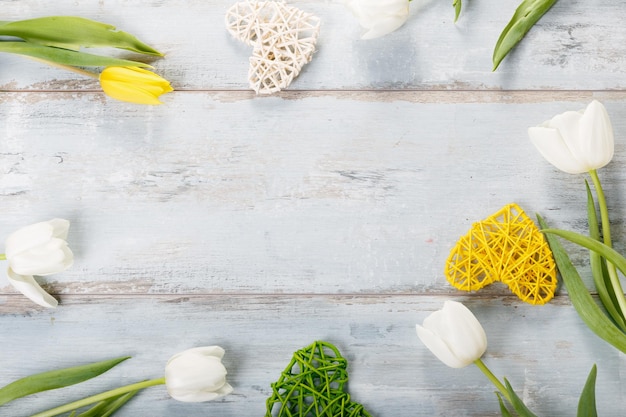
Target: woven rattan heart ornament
506, 247
312, 385
283, 38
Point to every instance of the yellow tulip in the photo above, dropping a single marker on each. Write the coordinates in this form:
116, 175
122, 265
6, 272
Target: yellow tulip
133, 84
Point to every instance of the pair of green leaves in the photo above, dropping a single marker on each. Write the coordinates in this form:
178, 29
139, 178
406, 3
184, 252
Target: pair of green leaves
60, 378
526, 15
608, 323
58, 39
586, 403
605, 326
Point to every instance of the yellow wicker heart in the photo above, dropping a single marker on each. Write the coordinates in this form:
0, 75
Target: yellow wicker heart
506, 247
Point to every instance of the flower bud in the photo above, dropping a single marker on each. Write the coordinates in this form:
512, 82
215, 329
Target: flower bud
576, 141
379, 17
454, 335
38, 249
133, 84
197, 375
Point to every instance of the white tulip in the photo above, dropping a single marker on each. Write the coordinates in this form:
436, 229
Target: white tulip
38, 249
379, 17
197, 375
576, 141
454, 335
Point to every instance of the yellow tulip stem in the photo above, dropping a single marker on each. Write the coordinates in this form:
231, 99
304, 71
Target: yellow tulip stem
495, 381
67, 67
99, 397
606, 235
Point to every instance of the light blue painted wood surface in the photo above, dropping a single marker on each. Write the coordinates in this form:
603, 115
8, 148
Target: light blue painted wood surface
324, 212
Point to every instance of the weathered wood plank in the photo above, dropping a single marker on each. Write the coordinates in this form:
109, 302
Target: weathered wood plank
545, 352
577, 45
308, 193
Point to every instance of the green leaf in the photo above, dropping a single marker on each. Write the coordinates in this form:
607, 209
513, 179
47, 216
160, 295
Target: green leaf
55, 379
457, 9
526, 15
606, 251
503, 410
587, 401
65, 56
598, 267
72, 32
584, 304
517, 403
108, 407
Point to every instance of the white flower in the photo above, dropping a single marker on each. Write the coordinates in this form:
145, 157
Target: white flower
197, 375
38, 249
576, 141
454, 335
379, 17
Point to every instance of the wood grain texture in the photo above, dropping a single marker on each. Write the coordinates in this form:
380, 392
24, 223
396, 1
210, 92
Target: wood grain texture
367, 194
578, 45
391, 373
324, 212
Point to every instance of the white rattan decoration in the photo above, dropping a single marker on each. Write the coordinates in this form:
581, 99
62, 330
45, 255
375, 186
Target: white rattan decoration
283, 38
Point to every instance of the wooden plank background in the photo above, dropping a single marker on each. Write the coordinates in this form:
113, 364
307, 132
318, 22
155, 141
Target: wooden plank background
324, 212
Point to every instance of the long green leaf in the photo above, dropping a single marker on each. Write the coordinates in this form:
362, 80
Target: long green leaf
55, 379
108, 407
71, 32
65, 56
457, 9
525, 16
609, 253
584, 304
517, 403
503, 410
587, 401
598, 266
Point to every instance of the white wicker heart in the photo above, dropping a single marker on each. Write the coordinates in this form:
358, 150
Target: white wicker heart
283, 38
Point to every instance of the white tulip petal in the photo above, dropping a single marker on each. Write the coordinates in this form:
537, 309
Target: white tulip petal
27, 237
595, 125
60, 228
197, 375
35, 235
27, 285
224, 390
553, 148
379, 17
454, 335
567, 124
216, 351
192, 396
48, 258
438, 347
468, 340
587, 136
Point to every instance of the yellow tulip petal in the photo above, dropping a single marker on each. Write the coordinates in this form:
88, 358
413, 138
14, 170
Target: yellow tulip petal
134, 85
129, 93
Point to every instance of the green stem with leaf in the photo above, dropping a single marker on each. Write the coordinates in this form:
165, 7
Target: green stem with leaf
606, 235
99, 397
494, 380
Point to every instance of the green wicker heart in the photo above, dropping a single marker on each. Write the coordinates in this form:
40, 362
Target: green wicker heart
312, 385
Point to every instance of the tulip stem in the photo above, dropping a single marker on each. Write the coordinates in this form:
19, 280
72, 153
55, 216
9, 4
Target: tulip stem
99, 397
66, 67
495, 381
606, 235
